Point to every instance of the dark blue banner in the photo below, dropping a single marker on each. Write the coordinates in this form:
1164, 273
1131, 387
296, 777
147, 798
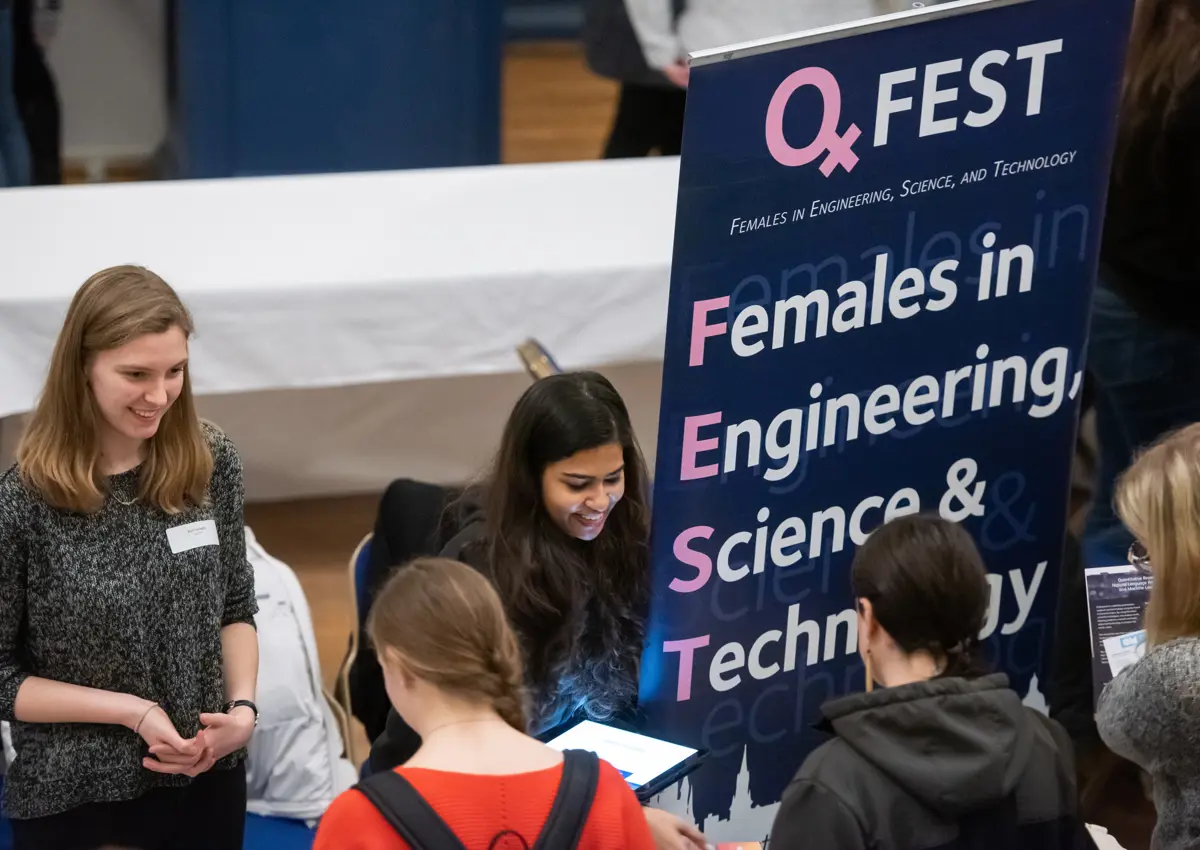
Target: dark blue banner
884, 257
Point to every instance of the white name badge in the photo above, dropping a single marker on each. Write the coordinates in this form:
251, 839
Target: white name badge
184, 538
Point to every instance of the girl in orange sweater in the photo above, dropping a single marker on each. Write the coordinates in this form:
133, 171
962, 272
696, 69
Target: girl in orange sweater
452, 668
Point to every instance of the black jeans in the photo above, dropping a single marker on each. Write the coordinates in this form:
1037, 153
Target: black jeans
208, 814
649, 118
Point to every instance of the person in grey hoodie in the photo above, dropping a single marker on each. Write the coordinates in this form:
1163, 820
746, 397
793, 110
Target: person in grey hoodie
938, 755
1148, 713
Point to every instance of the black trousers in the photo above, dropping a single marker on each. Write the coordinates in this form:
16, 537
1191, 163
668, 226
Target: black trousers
649, 118
209, 814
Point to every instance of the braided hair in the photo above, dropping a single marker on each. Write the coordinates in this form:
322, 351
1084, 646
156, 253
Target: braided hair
445, 621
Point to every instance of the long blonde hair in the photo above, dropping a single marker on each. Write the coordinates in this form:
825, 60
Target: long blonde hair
1158, 499
60, 452
447, 625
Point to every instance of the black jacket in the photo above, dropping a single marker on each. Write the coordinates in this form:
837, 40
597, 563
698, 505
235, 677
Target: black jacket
413, 521
947, 764
1069, 688
398, 742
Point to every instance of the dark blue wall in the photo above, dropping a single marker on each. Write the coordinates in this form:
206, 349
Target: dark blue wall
299, 86
538, 19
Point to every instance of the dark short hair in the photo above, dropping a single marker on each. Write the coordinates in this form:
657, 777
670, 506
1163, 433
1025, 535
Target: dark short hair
928, 588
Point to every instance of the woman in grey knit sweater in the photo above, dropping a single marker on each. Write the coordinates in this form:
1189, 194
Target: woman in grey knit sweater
1149, 714
128, 655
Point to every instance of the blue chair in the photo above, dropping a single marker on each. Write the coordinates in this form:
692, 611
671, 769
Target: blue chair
361, 600
360, 563
6, 839
263, 833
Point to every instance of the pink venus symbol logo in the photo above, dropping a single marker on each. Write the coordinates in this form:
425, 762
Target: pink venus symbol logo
839, 148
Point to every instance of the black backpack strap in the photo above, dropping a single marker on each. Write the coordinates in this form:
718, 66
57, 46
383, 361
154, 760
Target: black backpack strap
408, 812
468, 535
573, 802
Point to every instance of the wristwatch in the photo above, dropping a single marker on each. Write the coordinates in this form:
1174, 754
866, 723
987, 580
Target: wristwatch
237, 703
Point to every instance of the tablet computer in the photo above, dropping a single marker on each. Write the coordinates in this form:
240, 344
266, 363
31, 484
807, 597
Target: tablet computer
649, 765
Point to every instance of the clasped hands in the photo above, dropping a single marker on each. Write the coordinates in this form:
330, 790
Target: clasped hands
220, 735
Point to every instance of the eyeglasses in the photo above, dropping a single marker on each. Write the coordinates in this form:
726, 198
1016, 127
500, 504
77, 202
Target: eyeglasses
1138, 556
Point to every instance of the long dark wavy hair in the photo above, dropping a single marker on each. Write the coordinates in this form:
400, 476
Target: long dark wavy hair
578, 607
1161, 69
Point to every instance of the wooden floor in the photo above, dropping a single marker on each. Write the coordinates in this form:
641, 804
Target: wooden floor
554, 110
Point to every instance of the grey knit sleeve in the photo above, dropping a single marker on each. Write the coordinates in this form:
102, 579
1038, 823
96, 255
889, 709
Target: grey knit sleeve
12, 589
1146, 714
228, 494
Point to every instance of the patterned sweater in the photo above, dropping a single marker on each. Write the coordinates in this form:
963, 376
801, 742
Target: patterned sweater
1148, 715
100, 600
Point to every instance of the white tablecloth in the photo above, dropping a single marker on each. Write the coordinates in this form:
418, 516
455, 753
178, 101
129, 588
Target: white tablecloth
394, 279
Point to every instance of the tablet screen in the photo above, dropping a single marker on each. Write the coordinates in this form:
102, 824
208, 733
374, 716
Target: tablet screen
639, 758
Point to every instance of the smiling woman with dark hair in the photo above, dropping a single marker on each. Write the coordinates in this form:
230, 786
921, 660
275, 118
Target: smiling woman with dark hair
565, 540
561, 526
